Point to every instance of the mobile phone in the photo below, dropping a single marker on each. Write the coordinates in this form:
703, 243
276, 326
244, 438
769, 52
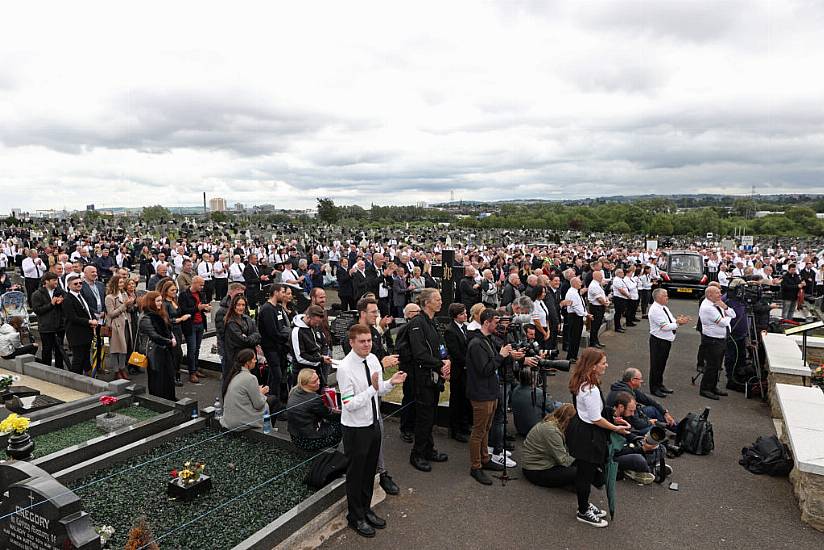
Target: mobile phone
673, 486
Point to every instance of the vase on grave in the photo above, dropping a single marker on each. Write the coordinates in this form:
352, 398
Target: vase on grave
20, 446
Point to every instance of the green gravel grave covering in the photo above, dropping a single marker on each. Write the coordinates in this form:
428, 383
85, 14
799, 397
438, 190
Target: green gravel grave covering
236, 464
57, 440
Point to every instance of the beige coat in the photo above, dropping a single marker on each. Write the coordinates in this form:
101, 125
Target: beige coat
117, 317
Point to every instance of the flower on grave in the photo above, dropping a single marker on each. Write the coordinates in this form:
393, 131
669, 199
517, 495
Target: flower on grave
7, 380
818, 376
191, 472
105, 532
108, 401
14, 423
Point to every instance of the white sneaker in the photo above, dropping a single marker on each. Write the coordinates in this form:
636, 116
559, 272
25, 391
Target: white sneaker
499, 459
597, 512
591, 519
490, 450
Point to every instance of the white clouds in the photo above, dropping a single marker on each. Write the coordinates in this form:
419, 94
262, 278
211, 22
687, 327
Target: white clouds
393, 103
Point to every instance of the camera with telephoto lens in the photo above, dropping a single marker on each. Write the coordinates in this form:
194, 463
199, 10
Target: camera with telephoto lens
750, 293
550, 361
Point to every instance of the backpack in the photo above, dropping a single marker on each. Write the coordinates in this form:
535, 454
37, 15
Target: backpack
326, 468
767, 456
695, 433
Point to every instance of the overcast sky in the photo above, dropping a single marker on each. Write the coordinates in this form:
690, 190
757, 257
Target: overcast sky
394, 103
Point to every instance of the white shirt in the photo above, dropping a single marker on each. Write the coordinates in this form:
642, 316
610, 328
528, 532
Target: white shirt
236, 273
595, 293
714, 320
662, 322
619, 284
33, 269
358, 395
589, 404
632, 287
577, 305
723, 279
539, 313
219, 271
205, 269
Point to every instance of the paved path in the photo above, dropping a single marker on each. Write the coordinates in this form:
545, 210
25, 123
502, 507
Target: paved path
719, 505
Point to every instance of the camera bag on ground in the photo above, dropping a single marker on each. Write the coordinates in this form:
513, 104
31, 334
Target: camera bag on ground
326, 468
695, 434
767, 456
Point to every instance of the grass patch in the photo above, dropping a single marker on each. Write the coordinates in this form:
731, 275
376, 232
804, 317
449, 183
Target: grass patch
57, 440
236, 464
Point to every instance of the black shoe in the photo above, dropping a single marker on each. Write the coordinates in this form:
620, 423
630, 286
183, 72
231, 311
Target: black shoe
409, 437
717, 391
438, 457
658, 393
133, 370
460, 437
374, 520
735, 386
674, 451
632, 324
389, 485
619, 330
480, 476
363, 528
708, 394
492, 466
665, 389
420, 464
599, 345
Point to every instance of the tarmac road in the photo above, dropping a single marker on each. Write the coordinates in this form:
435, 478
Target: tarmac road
719, 505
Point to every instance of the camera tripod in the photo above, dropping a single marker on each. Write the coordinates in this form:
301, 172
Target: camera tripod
504, 475
754, 336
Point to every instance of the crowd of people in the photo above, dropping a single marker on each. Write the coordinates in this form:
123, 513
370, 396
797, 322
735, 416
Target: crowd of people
513, 305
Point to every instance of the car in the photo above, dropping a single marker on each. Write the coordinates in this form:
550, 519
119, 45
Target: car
682, 273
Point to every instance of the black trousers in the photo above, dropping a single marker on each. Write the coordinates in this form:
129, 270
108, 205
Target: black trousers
408, 412
460, 409
631, 309
347, 303
658, 354
384, 307
31, 284
583, 482
361, 447
576, 327
208, 291
595, 325
646, 299
221, 288
565, 331
552, 342
558, 476
274, 377
620, 309
426, 403
712, 350
81, 358
52, 343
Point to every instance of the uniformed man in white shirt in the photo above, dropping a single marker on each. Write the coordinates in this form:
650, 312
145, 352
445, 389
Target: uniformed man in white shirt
360, 380
576, 313
662, 327
598, 303
715, 318
33, 269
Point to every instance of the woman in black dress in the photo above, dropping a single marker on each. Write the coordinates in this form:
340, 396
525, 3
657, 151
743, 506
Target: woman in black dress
168, 290
157, 342
240, 330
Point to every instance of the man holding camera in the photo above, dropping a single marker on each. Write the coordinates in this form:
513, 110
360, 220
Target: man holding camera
483, 364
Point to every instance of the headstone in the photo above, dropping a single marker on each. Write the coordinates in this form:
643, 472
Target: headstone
40, 513
340, 326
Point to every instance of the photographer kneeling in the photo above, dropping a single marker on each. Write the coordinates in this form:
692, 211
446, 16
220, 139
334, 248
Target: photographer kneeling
546, 460
641, 455
649, 412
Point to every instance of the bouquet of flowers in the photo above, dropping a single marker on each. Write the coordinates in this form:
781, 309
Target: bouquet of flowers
14, 424
190, 473
106, 532
7, 380
108, 401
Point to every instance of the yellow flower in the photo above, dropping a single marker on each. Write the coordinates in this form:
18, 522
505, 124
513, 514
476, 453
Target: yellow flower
14, 423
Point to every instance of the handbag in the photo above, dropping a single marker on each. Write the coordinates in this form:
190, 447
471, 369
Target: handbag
139, 360
105, 331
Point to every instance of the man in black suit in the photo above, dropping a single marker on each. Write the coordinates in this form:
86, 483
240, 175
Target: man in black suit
469, 290
511, 289
80, 325
253, 280
345, 290
554, 301
93, 291
360, 281
456, 340
47, 303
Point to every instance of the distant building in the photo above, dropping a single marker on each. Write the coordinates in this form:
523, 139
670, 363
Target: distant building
239, 207
89, 208
217, 204
764, 213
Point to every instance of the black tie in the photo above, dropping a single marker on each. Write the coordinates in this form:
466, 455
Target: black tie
369, 381
668, 316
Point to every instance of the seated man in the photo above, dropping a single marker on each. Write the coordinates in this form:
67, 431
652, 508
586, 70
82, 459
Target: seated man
650, 412
10, 344
639, 460
526, 412
312, 425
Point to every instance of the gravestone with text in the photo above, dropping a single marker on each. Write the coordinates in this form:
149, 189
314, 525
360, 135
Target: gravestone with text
38, 513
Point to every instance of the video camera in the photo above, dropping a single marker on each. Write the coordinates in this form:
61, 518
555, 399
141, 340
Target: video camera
750, 293
550, 362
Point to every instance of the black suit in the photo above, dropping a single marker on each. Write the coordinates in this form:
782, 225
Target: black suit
469, 294
360, 283
50, 323
552, 300
460, 410
78, 332
345, 290
251, 276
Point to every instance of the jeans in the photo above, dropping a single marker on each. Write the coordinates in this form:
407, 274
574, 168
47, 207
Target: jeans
193, 341
787, 309
558, 476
